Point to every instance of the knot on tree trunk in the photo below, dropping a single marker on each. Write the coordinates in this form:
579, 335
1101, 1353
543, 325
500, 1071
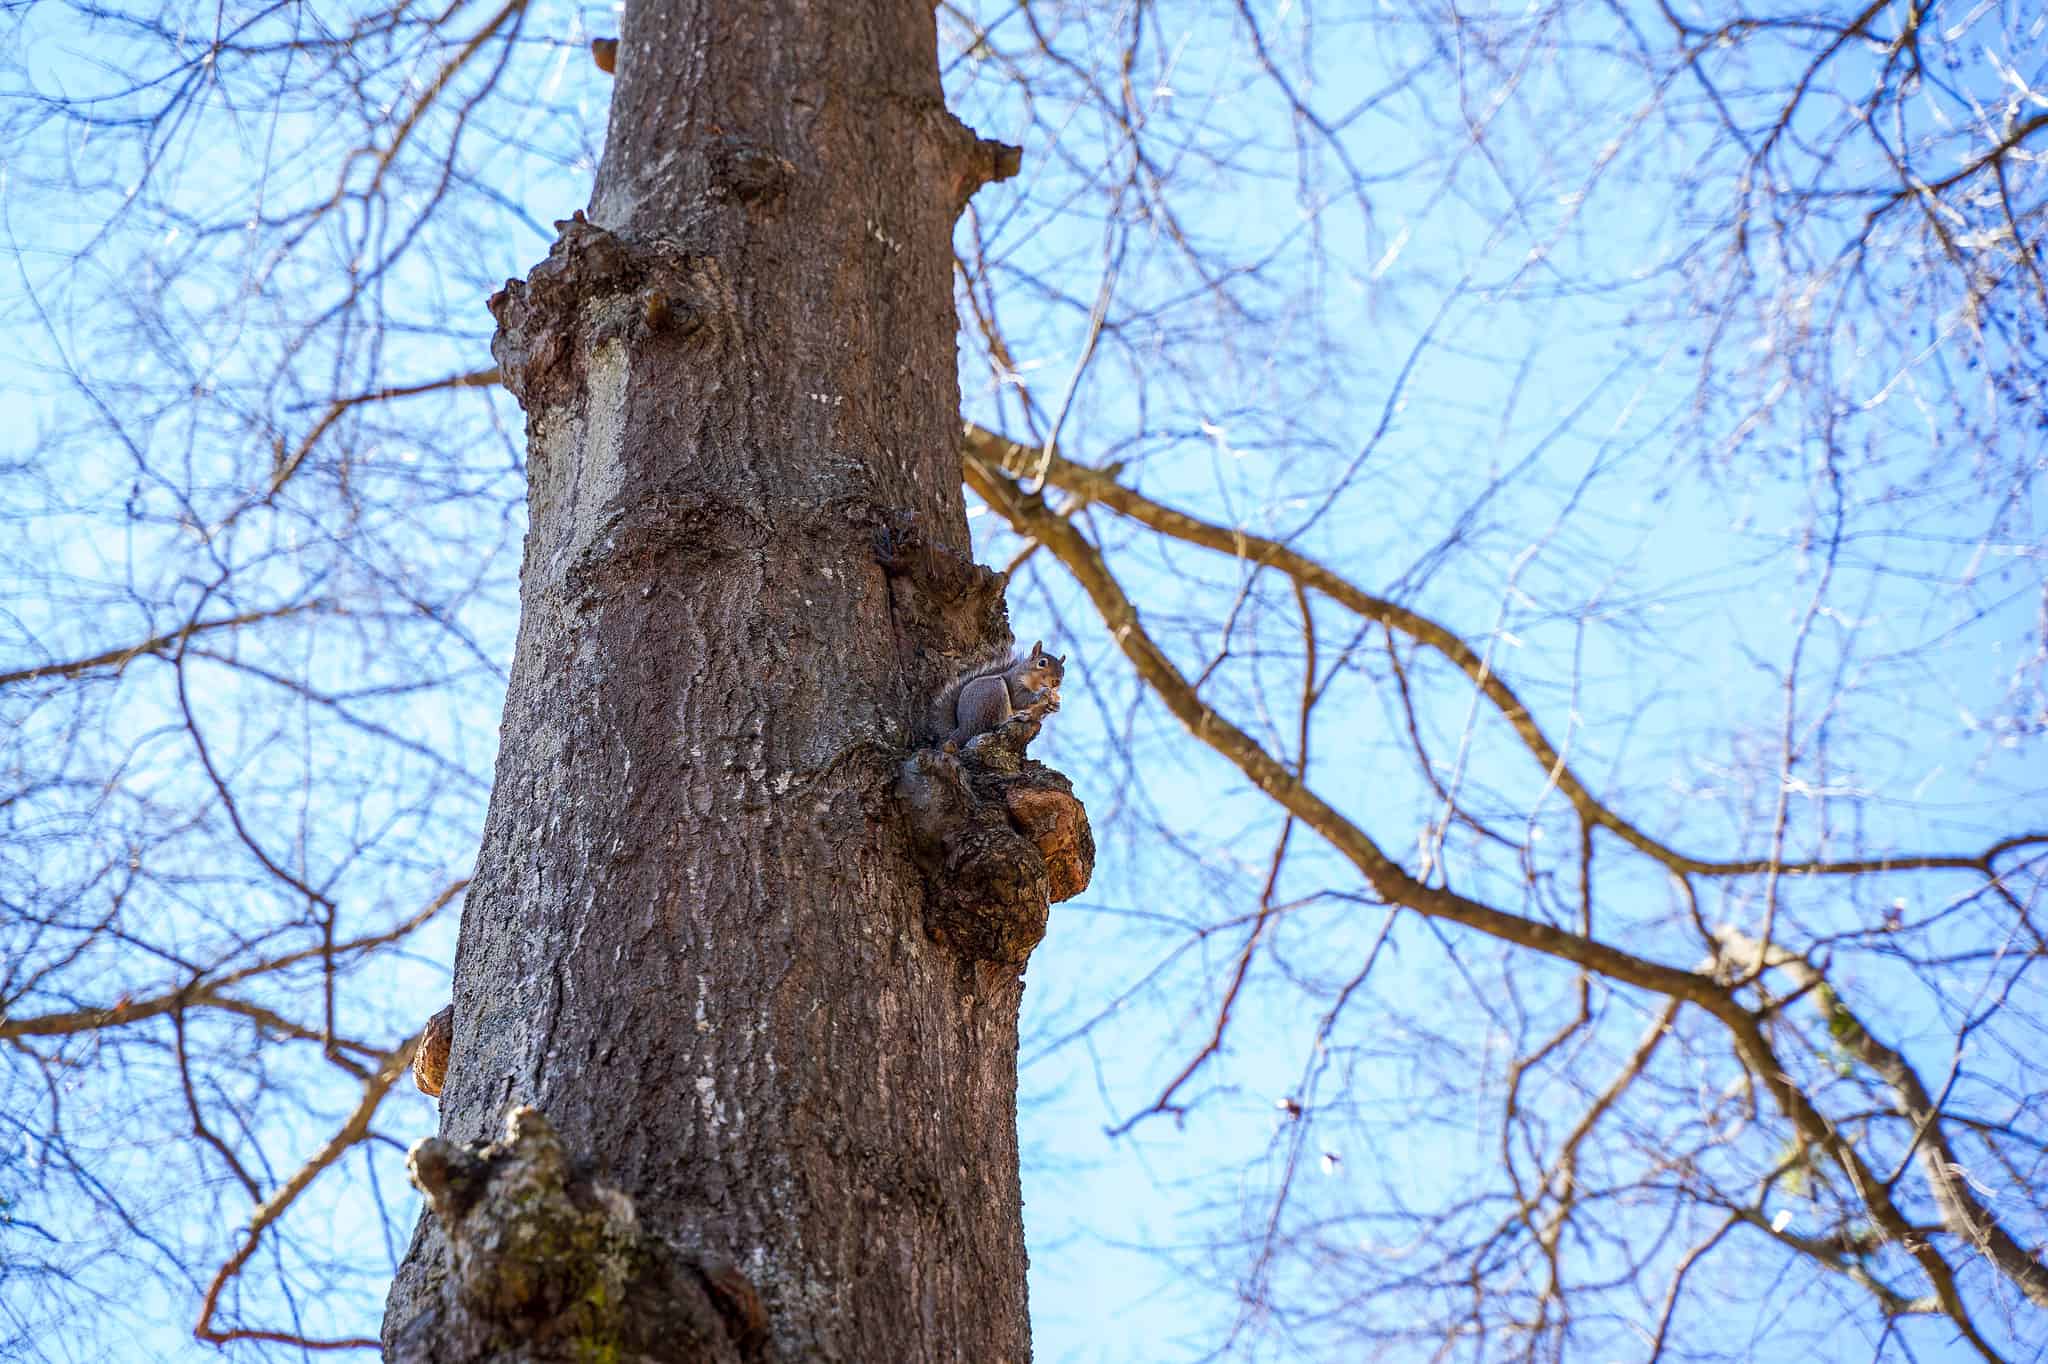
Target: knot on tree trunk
973, 161
548, 1263
935, 588
748, 171
596, 286
1000, 840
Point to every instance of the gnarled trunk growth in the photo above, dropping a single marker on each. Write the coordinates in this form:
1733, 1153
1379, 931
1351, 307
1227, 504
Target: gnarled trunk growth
700, 943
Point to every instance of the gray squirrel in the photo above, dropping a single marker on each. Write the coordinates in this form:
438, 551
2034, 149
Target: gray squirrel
983, 697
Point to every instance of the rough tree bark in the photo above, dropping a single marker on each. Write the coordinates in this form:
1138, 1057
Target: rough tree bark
739, 973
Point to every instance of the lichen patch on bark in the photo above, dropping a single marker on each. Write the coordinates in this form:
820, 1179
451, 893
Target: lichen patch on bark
546, 1263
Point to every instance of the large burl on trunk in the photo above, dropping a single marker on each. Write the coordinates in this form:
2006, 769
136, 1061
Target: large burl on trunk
732, 1072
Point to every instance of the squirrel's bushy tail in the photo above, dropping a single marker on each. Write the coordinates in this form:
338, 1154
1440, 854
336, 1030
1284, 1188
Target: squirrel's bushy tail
945, 716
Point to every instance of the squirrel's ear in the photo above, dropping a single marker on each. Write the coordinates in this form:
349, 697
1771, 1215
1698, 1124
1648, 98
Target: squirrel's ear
1037, 648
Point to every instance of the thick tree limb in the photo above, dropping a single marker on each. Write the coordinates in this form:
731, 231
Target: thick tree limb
1962, 1213
1029, 515
983, 454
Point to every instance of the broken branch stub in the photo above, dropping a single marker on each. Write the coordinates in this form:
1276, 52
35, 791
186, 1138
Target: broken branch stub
547, 1263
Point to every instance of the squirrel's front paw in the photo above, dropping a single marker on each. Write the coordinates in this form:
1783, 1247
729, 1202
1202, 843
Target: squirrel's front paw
1041, 705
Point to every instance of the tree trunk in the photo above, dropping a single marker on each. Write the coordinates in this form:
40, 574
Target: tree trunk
699, 941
